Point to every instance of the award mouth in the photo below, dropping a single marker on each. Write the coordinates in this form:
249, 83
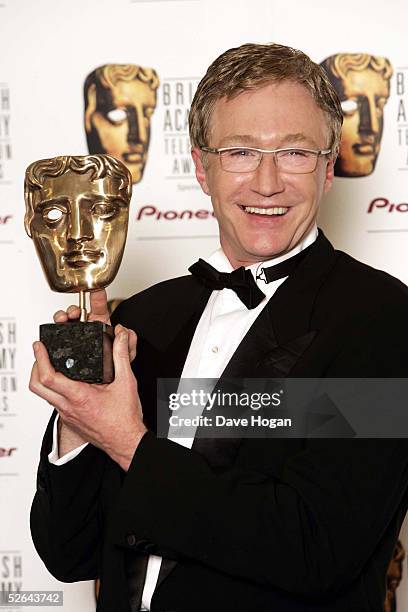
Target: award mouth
82, 259
364, 149
133, 157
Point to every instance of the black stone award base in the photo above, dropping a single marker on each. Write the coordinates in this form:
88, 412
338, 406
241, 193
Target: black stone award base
81, 351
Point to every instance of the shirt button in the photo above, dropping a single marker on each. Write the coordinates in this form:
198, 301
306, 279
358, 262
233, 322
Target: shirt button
215, 349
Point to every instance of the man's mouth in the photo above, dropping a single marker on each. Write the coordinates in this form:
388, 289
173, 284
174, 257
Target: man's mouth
269, 212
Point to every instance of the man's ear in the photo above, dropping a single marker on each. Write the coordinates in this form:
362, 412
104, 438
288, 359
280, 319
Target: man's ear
200, 170
329, 175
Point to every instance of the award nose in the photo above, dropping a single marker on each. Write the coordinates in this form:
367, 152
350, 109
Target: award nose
80, 227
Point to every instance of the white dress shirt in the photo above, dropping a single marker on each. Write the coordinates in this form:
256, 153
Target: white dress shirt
222, 326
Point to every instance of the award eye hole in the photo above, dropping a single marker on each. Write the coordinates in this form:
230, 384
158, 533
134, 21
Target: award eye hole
117, 115
53, 215
349, 107
103, 210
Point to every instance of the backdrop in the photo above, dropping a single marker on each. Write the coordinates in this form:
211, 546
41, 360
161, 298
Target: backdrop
64, 67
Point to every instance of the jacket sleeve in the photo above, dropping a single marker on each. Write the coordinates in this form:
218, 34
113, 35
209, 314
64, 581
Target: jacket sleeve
323, 513
65, 513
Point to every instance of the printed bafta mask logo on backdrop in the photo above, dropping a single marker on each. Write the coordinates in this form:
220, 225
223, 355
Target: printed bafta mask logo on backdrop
119, 102
362, 82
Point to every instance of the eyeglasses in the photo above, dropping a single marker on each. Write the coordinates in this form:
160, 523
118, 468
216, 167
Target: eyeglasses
247, 159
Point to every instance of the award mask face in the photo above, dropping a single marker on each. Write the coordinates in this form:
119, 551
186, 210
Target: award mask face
362, 82
77, 211
119, 102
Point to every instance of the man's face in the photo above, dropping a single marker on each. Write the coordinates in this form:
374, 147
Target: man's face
364, 96
79, 231
122, 123
275, 116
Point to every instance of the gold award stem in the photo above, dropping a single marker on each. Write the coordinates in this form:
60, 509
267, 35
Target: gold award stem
82, 305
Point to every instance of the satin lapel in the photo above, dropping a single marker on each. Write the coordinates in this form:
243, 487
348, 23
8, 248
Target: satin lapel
291, 308
166, 328
183, 319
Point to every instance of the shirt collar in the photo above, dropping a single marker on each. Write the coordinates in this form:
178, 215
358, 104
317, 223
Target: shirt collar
219, 260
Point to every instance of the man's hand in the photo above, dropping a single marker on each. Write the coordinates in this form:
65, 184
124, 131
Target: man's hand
108, 416
99, 309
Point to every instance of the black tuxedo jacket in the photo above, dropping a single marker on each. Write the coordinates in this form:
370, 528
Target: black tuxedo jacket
265, 525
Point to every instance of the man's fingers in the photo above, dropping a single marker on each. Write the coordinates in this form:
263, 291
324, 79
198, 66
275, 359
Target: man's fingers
132, 340
121, 353
73, 312
62, 316
55, 381
99, 304
46, 394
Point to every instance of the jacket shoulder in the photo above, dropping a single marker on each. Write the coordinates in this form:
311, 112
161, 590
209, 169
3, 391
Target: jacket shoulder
364, 284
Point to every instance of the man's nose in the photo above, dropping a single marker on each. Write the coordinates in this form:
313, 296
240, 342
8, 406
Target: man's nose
267, 179
80, 226
370, 120
137, 129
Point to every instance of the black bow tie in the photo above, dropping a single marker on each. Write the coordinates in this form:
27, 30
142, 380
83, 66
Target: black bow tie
241, 280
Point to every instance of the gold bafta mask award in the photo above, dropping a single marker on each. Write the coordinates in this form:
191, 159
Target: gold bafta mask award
77, 211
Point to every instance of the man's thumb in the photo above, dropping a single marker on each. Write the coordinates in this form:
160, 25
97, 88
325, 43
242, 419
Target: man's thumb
121, 353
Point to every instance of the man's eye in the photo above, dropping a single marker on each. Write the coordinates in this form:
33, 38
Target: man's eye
295, 153
52, 214
349, 107
117, 115
240, 153
104, 211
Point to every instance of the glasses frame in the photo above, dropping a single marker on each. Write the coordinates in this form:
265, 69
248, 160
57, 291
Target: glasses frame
318, 153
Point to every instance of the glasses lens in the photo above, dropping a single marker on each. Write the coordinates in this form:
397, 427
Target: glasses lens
240, 160
296, 161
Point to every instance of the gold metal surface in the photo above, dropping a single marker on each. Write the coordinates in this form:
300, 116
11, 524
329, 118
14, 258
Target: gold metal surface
120, 100
77, 211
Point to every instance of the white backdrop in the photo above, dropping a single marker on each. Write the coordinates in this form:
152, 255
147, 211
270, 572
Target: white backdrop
47, 48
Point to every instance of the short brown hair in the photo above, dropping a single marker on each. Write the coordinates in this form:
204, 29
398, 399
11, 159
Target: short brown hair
251, 66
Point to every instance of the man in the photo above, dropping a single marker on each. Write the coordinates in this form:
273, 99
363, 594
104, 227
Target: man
235, 524
120, 100
362, 82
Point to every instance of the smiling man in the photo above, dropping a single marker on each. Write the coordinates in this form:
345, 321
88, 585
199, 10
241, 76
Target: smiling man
198, 523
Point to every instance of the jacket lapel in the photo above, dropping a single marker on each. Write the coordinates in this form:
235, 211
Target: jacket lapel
284, 329
278, 337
